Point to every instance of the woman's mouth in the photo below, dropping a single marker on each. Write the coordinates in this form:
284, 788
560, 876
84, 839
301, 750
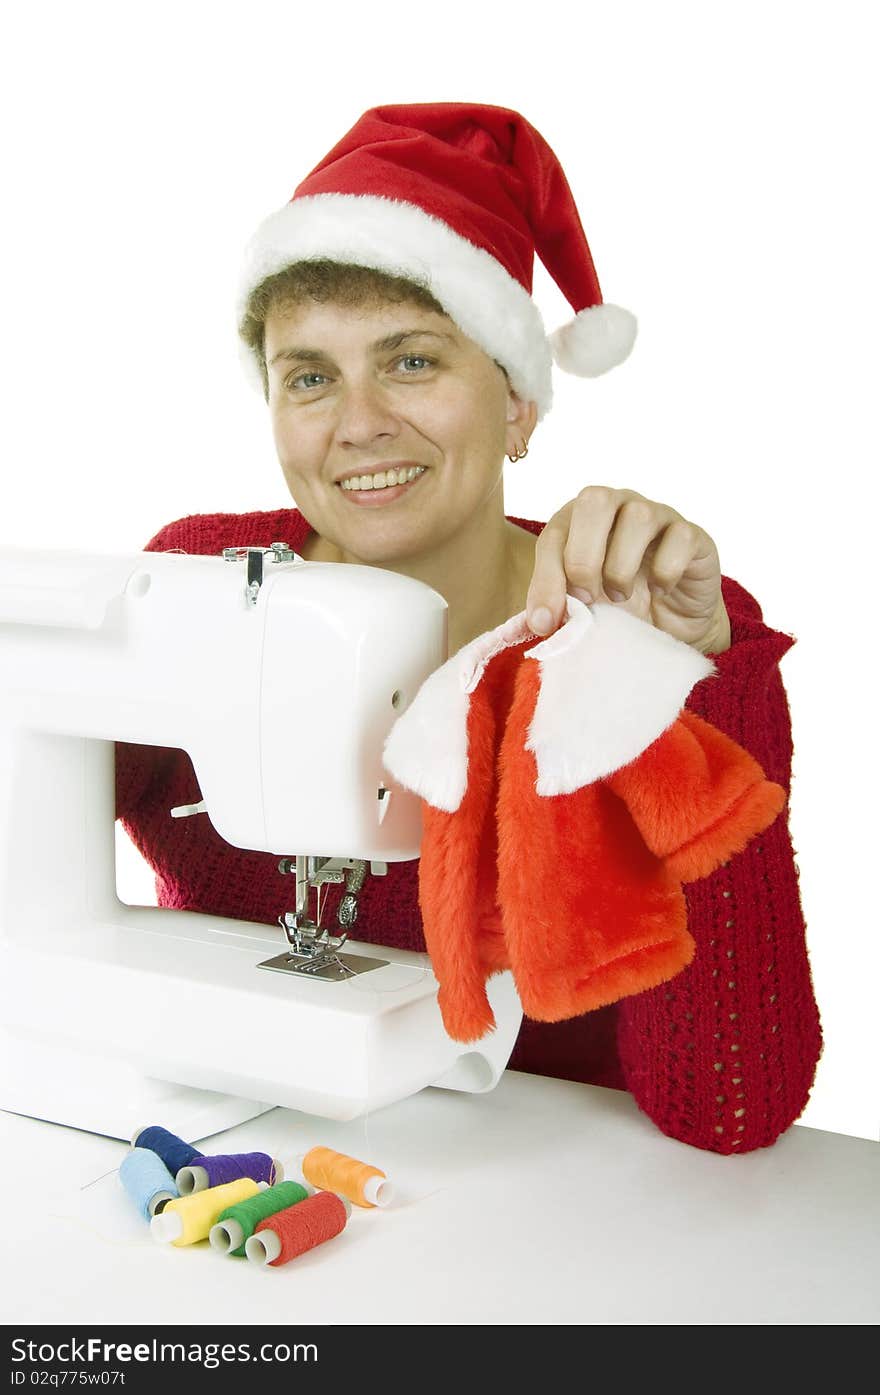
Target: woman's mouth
374, 491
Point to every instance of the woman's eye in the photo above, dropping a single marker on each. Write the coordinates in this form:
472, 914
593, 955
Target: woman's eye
292, 382
415, 363
416, 358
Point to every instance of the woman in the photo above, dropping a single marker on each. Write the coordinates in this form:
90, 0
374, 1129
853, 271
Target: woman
387, 313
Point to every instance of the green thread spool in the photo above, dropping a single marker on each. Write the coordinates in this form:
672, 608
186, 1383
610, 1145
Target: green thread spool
237, 1223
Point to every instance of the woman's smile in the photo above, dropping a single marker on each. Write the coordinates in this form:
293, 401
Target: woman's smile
377, 490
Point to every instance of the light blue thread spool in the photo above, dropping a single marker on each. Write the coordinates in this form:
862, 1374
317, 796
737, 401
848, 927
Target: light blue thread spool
147, 1181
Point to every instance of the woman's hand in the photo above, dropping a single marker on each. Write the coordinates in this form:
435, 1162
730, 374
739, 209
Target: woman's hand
616, 545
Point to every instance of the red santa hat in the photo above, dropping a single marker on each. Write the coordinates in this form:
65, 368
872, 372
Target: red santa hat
458, 197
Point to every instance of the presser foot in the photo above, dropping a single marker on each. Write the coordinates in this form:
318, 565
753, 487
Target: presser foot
314, 953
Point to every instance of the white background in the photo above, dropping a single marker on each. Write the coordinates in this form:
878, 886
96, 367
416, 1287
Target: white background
724, 164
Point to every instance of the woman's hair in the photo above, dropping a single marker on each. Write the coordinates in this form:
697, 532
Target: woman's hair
340, 283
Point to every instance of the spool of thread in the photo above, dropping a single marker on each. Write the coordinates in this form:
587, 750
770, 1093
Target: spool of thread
174, 1153
362, 1183
188, 1219
213, 1170
237, 1223
147, 1181
284, 1236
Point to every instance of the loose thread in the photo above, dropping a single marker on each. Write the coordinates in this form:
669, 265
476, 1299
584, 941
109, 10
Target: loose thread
236, 1224
290, 1233
209, 1170
174, 1153
85, 1186
99, 1234
362, 1183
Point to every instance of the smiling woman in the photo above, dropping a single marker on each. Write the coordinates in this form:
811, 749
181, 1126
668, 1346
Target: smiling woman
387, 315
422, 434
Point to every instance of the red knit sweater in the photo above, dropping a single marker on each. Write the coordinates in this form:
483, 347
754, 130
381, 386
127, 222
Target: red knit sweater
723, 1056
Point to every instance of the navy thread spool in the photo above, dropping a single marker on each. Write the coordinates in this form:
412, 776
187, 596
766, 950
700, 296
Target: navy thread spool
174, 1153
213, 1171
147, 1181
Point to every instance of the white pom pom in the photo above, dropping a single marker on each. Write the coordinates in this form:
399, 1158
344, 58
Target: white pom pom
597, 339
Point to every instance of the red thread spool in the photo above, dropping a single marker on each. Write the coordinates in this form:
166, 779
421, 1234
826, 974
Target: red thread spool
299, 1228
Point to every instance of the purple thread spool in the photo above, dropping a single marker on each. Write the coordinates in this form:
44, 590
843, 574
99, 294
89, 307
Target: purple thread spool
210, 1171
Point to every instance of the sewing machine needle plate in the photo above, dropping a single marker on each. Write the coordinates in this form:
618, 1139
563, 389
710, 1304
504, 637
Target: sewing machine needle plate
336, 970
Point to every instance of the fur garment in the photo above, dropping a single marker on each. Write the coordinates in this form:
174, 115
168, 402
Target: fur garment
566, 797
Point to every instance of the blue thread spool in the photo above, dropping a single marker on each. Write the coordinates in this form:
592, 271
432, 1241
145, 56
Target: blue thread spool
213, 1171
147, 1181
174, 1153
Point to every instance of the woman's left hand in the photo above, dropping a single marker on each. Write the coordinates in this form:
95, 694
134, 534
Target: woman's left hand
614, 544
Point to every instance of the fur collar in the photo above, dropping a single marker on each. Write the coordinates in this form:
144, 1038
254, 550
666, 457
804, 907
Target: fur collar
610, 685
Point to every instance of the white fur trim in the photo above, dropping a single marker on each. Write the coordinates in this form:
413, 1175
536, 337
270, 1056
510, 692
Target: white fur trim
610, 685
426, 749
605, 695
483, 299
598, 338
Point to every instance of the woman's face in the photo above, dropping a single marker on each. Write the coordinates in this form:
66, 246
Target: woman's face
355, 393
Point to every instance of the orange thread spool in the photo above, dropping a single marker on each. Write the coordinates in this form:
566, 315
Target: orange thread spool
292, 1232
362, 1183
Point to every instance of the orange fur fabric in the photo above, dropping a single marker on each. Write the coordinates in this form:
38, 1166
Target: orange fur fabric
579, 893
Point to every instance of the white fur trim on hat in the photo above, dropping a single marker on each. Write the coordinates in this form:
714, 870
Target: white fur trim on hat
610, 685
483, 299
598, 338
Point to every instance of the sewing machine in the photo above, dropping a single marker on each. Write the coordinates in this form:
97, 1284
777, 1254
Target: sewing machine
281, 679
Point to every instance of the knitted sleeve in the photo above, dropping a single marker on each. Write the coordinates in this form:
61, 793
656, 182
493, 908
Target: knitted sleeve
723, 1056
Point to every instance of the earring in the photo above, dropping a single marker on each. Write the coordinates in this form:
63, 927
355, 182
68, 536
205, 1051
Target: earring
520, 454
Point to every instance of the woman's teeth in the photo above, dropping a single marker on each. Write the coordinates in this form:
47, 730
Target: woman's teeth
385, 479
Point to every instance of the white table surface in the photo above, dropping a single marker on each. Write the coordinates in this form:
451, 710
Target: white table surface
541, 1202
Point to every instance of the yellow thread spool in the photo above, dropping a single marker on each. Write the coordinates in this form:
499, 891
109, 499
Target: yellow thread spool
336, 1172
189, 1218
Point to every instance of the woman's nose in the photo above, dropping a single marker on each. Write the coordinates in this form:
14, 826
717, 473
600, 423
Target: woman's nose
364, 414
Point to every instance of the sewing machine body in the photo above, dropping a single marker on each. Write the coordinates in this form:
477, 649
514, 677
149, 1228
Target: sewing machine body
281, 682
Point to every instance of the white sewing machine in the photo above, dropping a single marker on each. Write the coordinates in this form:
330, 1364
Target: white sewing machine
281, 679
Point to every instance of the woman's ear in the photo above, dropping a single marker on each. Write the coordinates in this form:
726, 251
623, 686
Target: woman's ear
521, 417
